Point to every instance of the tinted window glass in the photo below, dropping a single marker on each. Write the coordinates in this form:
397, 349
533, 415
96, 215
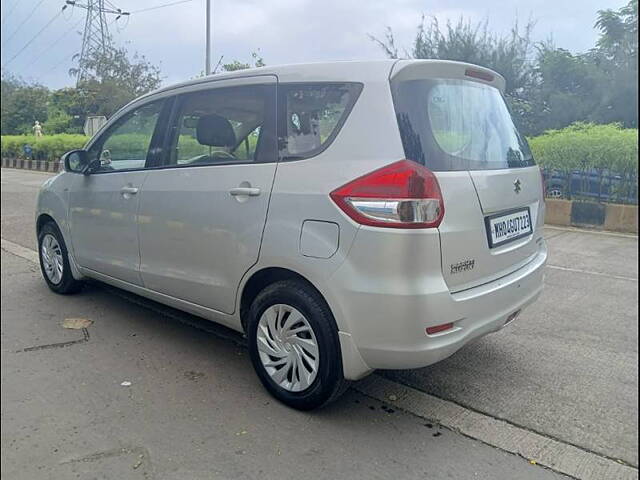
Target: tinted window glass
457, 125
224, 125
311, 116
126, 144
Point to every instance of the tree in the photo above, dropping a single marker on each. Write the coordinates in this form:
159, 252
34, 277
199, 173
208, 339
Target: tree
114, 80
58, 121
618, 40
616, 55
22, 105
510, 55
258, 61
568, 90
70, 101
546, 87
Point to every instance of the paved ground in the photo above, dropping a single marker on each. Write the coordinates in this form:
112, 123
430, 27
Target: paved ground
567, 369
569, 366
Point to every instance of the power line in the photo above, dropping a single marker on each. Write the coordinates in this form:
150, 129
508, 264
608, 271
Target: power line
6, 15
161, 6
35, 36
115, 10
118, 28
111, 5
53, 44
71, 10
67, 57
95, 38
57, 65
23, 22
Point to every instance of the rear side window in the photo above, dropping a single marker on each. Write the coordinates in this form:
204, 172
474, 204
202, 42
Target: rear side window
457, 125
311, 115
224, 125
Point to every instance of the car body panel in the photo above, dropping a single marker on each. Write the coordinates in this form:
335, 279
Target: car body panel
469, 198
383, 286
53, 202
103, 223
196, 240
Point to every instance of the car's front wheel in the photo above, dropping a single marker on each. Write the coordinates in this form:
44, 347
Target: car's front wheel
294, 346
54, 260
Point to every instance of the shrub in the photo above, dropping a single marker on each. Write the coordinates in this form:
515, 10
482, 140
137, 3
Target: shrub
48, 147
58, 121
584, 147
125, 146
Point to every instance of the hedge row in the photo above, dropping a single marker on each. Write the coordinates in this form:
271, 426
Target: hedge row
587, 146
49, 147
130, 145
581, 149
578, 147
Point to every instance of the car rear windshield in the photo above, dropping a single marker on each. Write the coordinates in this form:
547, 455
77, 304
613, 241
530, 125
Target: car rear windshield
311, 115
457, 125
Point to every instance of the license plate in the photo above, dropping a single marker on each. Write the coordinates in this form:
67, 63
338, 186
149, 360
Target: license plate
506, 227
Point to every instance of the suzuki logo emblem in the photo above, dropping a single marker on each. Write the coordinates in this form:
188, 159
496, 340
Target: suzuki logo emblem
517, 186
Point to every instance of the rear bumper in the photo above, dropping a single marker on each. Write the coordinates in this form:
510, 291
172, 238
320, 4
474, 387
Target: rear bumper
388, 330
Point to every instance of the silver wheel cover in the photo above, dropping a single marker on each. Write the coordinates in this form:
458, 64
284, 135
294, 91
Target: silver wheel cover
287, 347
51, 255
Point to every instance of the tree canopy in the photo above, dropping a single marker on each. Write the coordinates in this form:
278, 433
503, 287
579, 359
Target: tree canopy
256, 58
21, 105
114, 79
547, 87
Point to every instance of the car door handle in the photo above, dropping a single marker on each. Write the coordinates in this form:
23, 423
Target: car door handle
129, 190
248, 191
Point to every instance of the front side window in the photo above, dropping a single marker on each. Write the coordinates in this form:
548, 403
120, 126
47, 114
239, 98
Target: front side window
126, 144
224, 125
310, 116
457, 125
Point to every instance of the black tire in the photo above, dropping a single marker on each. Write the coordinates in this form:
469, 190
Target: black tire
329, 383
67, 284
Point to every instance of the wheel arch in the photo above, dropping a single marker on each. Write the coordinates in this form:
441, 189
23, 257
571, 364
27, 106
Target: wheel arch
264, 277
354, 367
44, 218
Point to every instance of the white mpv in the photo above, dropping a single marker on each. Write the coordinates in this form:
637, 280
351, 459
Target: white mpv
346, 216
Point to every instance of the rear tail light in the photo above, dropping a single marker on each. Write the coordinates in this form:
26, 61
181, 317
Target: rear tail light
401, 195
439, 328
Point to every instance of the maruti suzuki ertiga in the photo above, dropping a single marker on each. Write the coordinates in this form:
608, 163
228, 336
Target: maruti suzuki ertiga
346, 216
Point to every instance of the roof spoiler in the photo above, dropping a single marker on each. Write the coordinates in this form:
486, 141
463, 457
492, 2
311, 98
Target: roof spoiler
419, 69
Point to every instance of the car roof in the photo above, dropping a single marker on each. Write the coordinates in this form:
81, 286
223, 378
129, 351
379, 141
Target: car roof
304, 72
337, 71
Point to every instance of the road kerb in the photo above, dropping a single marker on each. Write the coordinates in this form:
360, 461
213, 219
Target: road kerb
535, 447
19, 250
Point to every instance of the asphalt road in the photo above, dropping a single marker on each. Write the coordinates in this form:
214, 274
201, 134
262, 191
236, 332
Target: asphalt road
566, 369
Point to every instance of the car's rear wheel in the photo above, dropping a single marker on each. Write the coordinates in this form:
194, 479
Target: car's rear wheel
294, 346
54, 260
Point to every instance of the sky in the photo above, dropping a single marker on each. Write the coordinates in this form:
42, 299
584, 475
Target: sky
38, 42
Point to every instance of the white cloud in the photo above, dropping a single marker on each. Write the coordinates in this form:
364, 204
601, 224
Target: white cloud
285, 31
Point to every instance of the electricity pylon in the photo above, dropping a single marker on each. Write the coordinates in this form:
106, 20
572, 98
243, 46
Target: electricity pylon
95, 38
